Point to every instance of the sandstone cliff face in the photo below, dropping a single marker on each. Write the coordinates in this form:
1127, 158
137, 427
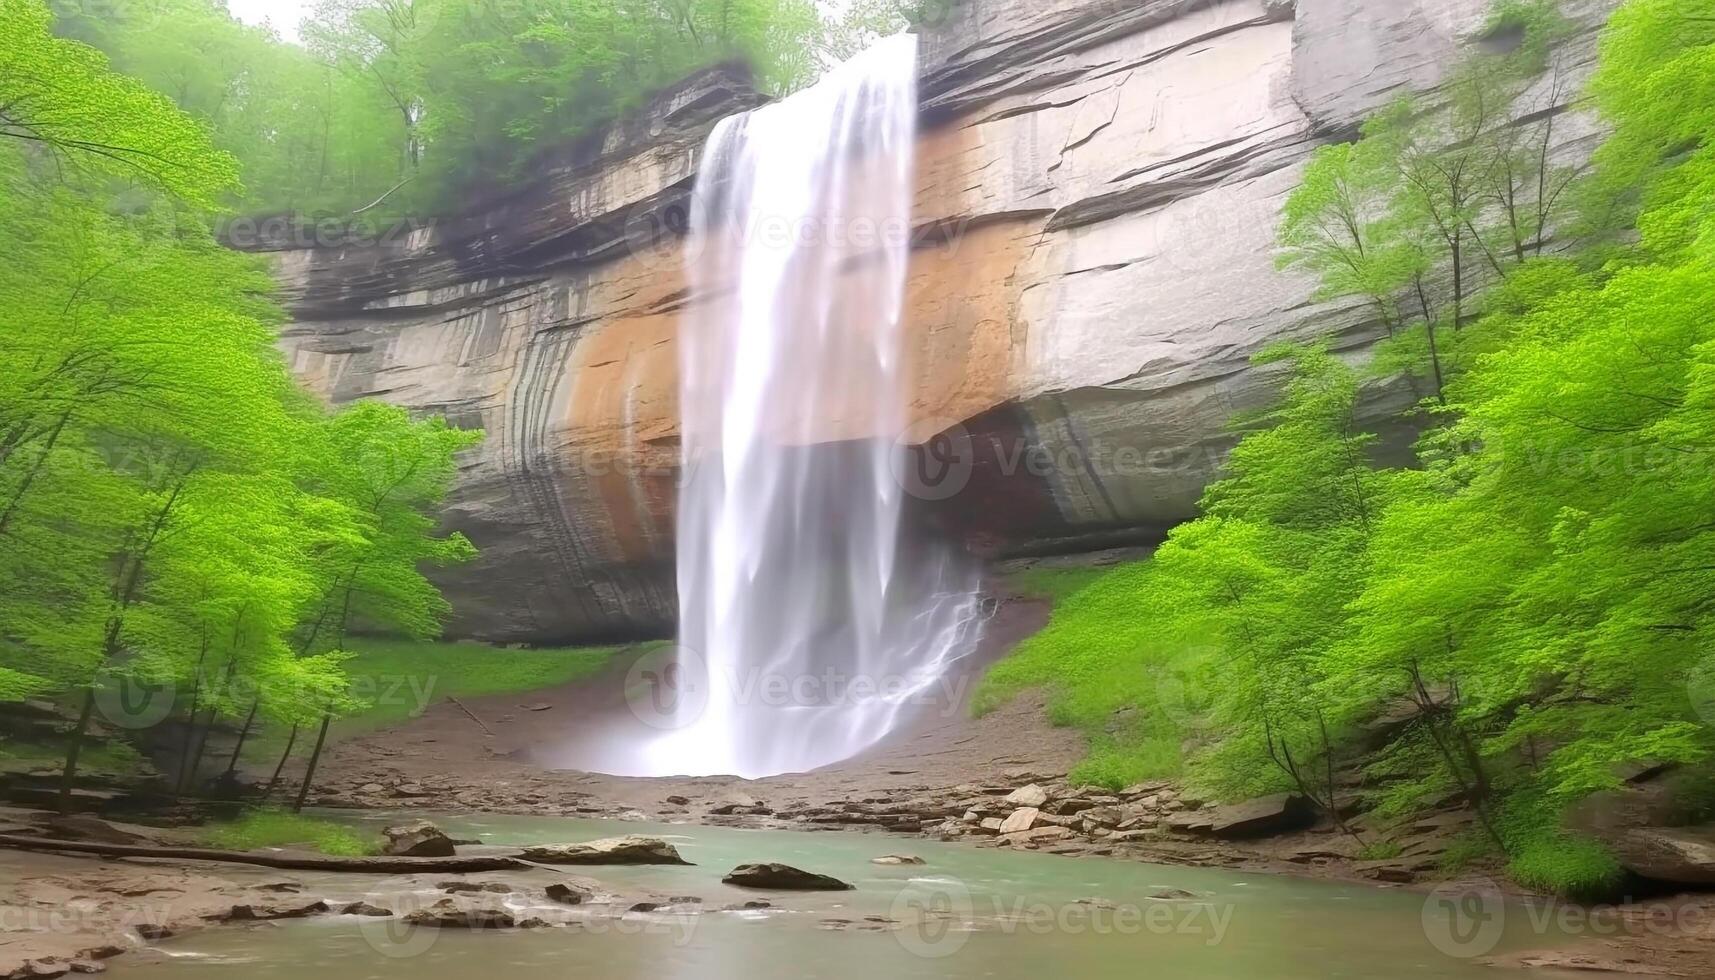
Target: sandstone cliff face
1099, 185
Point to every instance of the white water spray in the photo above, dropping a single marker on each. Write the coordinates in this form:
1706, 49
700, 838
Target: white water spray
811, 620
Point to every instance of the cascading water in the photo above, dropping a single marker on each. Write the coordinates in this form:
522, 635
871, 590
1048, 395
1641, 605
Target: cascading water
811, 618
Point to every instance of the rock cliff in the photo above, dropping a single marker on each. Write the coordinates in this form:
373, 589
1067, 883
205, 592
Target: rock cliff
1099, 183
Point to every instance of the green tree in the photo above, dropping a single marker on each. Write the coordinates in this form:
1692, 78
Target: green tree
172, 507
62, 97
391, 473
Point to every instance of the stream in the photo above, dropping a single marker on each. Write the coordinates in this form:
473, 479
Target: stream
965, 913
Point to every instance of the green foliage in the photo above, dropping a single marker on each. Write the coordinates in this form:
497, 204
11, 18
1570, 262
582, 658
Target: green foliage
1075, 652
62, 97
1380, 850
1529, 601
411, 104
173, 510
1105, 674
486, 84
1054, 583
1117, 762
1467, 851
1572, 867
258, 829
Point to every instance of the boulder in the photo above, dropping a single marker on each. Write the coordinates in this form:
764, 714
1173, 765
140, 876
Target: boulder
365, 909
419, 838
739, 802
267, 913
567, 894
1673, 855
1262, 817
896, 859
1021, 819
1132, 836
473, 887
1101, 816
1394, 872
782, 877
446, 915
1037, 835
613, 850
1071, 805
1032, 795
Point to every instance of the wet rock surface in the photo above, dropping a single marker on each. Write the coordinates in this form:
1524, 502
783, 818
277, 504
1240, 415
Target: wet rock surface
568, 894
420, 838
782, 877
1671, 855
613, 850
450, 915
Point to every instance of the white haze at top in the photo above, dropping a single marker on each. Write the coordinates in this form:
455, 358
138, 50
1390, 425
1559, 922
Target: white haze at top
795, 566
286, 15
283, 15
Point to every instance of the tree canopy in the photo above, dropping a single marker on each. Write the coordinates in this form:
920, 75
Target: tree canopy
406, 105
173, 509
1529, 598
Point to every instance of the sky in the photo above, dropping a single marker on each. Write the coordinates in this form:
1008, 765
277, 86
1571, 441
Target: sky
283, 14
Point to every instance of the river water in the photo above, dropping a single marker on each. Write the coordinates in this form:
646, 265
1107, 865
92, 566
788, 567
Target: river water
965, 913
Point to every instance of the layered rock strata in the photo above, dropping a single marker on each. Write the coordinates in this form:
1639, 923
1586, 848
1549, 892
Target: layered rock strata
1099, 184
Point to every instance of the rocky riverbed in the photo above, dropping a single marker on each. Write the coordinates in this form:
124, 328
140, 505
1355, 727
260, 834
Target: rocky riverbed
65, 914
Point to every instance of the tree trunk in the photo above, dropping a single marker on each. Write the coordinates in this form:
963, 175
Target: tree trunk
274, 780
243, 733
35, 471
186, 770
201, 748
68, 776
267, 859
315, 757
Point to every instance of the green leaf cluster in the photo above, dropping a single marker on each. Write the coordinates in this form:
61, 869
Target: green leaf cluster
174, 511
1526, 608
408, 106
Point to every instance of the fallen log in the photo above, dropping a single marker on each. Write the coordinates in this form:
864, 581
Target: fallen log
285, 861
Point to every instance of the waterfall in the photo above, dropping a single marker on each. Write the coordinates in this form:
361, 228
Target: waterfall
812, 620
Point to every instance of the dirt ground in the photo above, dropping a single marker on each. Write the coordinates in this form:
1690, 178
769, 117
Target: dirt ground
522, 753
